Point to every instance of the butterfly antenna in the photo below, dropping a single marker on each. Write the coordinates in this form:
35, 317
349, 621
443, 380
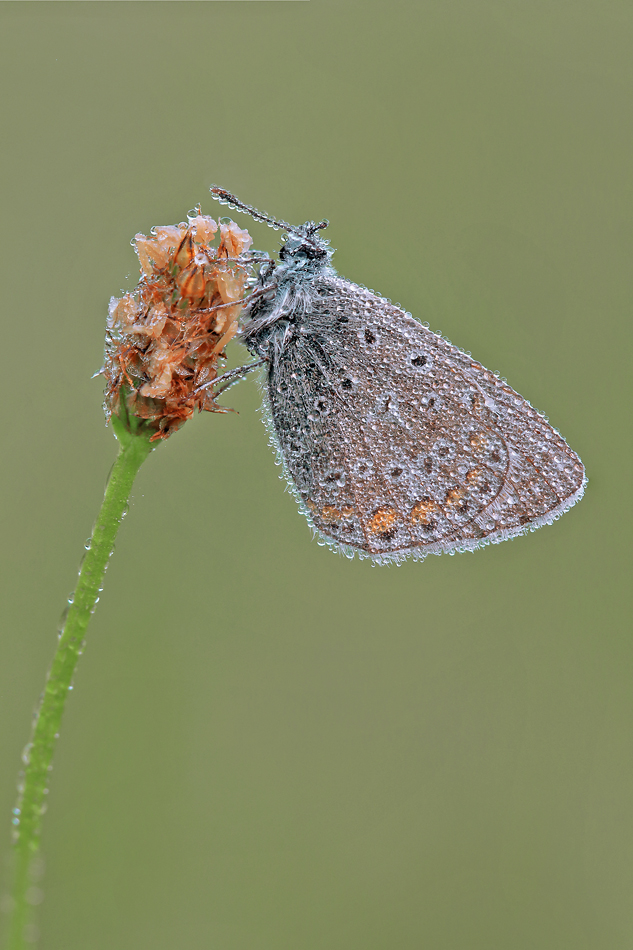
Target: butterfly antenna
226, 198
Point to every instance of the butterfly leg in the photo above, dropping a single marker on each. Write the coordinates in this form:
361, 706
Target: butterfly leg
231, 377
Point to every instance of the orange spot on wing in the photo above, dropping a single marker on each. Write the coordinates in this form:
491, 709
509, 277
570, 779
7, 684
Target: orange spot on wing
453, 495
477, 479
474, 475
332, 514
382, 520
423, 511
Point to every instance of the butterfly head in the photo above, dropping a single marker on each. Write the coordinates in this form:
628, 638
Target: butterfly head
303, 249
303, 245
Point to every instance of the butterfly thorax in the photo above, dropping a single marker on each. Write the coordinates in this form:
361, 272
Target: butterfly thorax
285, 291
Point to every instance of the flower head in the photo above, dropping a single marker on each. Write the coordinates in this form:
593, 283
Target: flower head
165, 338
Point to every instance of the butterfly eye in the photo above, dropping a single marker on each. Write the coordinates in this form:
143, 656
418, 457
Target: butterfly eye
419, 360
370, 336
347, 384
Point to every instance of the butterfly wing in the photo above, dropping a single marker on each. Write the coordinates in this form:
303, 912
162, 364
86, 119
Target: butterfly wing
399, 443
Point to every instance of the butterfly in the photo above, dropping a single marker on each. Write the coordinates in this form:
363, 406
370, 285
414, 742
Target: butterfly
395, 442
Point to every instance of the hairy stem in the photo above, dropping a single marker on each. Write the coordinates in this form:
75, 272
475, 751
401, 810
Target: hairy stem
38, 754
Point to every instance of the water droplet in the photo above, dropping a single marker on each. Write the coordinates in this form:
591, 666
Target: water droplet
34, 896
31, 933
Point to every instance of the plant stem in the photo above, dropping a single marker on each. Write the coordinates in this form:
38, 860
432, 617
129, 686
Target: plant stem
38, 754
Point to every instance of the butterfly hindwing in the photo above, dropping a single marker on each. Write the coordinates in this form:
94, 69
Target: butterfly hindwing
398, 442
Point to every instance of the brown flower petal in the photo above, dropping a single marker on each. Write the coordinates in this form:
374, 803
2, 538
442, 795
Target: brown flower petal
203, 228
164, 339
192, 281
233, 240
154, 252
231, 285
122, 312
154, 323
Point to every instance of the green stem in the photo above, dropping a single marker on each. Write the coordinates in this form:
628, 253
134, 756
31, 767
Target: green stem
38, 754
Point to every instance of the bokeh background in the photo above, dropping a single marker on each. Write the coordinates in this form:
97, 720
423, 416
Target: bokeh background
269, 747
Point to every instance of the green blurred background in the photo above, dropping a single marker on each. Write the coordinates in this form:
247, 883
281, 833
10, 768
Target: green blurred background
269, 747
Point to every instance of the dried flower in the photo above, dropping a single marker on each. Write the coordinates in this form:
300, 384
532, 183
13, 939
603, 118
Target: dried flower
164, 339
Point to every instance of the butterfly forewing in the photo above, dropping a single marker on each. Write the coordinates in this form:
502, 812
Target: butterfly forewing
398, 442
